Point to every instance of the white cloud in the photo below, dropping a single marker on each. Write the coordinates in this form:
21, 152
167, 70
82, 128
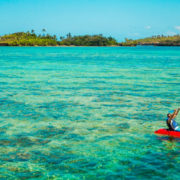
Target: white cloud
148, 27
177, 27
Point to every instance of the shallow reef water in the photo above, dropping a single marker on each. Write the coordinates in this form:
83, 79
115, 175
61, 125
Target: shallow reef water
88, 112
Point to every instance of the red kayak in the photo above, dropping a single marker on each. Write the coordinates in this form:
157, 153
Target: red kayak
168, 132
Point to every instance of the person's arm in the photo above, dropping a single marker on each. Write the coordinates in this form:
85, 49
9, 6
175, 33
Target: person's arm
172, 116
177, 111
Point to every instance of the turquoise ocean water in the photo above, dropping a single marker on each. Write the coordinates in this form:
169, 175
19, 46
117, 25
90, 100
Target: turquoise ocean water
88, 112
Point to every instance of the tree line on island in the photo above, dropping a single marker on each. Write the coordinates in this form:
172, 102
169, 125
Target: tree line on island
32, 39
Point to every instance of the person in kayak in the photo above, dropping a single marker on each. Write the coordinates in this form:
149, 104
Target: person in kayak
171, 123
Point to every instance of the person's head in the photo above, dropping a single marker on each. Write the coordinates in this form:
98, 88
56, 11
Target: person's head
169, 115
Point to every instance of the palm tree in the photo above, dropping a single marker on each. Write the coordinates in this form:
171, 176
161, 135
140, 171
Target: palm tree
54, 37
69, 35
43, 30
32, 31
28, 33
61, 38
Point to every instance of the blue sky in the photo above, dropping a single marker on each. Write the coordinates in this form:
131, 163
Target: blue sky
118, 18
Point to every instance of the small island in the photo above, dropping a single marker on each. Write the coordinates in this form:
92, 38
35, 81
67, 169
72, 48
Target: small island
32, 39
159, 40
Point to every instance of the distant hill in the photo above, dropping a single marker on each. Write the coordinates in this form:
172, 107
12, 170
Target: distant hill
88, 40
28, 39
154, 40
32, 39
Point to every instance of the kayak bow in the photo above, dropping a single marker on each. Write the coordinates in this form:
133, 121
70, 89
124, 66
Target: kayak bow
168, 132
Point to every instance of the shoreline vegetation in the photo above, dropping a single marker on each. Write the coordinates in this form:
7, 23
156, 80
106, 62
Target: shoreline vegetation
32, 39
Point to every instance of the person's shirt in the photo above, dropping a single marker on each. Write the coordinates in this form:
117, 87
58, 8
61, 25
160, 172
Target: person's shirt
172, 125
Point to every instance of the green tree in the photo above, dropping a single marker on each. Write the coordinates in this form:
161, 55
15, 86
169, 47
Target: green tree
32, 31
69, 35
43, 30
61, 38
